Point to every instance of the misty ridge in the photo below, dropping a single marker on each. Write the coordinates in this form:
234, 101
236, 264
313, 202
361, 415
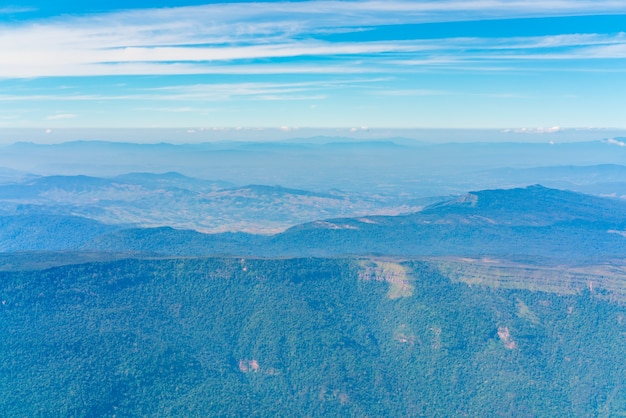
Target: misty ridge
324, 163
270, 187
267, 187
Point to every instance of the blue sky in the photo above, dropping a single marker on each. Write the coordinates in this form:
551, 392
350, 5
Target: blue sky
505, 64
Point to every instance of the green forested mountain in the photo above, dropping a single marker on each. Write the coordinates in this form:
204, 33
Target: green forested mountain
514, 223
36, 232
533, 221
301, 337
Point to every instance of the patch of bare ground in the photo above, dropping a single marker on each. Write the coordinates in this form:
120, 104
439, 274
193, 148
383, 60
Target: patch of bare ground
391, 272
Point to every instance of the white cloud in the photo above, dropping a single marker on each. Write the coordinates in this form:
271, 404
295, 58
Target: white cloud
185, 109
61, 116
550, 130
414, 92
313, 90
614, 141
14, 10
213, 38
459, 54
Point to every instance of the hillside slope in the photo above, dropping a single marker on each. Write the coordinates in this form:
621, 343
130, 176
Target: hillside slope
532, 221
240, 337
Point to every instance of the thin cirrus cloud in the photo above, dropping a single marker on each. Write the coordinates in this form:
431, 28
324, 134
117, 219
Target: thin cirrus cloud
221, 38
9, 10
382, 56
313, 90
61, 116
396, 62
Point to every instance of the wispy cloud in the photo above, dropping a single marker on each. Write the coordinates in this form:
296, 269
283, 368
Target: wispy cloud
61, 116
380, 56
550, 130
206, 92
185, 109
9, 10
250, 91
413, 92
235, 37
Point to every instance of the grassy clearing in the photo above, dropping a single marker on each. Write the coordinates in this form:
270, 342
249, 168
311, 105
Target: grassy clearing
393, 273
607, 280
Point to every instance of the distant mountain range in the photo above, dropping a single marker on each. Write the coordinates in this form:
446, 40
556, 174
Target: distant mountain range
519, 223
384, 166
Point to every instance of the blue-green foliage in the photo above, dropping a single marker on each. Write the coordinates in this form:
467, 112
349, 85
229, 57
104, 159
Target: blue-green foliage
298, 337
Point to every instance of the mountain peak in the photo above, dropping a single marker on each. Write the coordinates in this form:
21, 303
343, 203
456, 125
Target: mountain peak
534, 204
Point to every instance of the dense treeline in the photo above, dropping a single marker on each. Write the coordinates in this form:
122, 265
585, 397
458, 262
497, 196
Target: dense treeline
48, 232
299, 337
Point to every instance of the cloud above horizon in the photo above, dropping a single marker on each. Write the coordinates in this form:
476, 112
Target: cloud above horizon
201, 39
325, 50
61, 116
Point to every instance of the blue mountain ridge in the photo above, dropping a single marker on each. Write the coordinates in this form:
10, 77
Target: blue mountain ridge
520, 222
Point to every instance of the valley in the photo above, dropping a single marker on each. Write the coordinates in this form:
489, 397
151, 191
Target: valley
171, 199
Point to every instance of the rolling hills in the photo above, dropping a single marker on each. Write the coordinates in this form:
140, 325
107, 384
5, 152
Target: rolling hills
517, 223
171, 199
